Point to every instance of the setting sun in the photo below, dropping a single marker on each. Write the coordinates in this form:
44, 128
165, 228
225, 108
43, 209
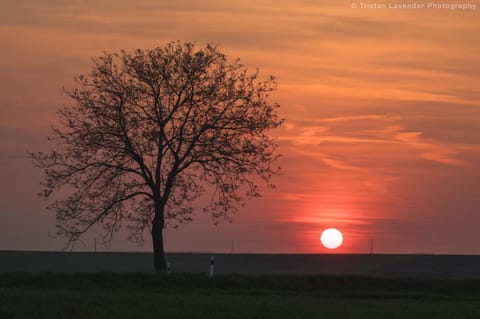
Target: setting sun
380, 132
331, 238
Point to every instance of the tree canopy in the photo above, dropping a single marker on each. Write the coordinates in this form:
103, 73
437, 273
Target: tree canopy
154, 135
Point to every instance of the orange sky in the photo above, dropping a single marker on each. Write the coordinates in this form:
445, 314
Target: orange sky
382, 109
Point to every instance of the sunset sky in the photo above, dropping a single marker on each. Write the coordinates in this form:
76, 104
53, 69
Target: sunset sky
382, 117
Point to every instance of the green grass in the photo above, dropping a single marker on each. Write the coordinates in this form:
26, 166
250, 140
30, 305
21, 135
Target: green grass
117, 296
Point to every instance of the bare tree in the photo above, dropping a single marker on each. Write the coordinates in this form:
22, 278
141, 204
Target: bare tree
150, 132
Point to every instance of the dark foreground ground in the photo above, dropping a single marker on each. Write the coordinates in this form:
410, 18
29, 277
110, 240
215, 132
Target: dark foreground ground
109, 295
417, 266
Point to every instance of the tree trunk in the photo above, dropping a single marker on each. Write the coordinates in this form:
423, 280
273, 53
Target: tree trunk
158, 250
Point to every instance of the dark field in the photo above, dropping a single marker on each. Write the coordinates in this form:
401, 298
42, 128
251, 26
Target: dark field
417, 266
245, 286
108, 295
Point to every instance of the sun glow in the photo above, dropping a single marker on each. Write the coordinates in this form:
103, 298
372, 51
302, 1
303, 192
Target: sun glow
331, 238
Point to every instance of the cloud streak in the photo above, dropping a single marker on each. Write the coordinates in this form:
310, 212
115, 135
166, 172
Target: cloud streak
382, 108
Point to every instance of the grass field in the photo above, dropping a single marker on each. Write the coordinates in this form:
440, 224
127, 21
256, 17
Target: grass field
416, 266
108, 295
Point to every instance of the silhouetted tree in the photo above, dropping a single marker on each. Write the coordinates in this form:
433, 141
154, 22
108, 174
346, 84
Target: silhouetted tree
149, 133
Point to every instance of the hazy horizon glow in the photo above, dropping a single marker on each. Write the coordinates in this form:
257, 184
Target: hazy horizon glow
382, 109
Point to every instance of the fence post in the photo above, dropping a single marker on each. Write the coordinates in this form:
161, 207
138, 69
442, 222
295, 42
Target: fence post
212, 266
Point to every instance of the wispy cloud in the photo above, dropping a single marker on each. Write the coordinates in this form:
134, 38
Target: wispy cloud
437, 152
382, 107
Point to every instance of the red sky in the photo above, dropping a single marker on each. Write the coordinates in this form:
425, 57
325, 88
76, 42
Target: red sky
382, 109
